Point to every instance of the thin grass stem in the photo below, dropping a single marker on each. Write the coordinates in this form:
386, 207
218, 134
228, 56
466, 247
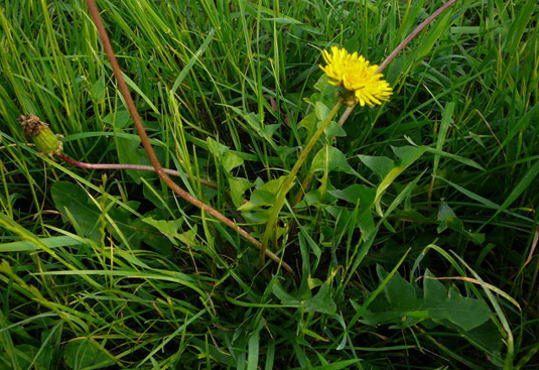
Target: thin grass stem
124, 90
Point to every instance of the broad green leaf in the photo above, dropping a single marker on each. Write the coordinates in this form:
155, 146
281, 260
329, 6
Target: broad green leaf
131, 229
363, 309
437, 303
488, 337
467, 313
355, 194
76, 206
98, 90
400, 294
86, 353
130, 152
28, 360
408, 154
446, 215
269, 130
283, 296
433, 290
331, 159
334, 130
322, 83
448, 219
364, 196
309, 121
118, 119
167, 228
327, 92
437, 151
321, 110
379, 165
322, 301
231, 160
216, 148
238, 186
263, 195
170, 230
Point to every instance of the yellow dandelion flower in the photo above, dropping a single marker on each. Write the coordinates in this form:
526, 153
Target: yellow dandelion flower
357, 75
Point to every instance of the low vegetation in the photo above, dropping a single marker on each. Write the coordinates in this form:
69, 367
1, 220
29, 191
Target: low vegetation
410, 230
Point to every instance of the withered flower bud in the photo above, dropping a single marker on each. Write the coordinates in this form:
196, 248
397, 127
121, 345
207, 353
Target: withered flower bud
41, 135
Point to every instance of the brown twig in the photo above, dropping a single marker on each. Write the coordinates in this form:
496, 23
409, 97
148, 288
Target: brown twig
414, 33
124, 90
119, 166
346, 114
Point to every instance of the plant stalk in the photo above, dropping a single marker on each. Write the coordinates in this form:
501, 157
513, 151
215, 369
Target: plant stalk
291, 177
124, 90
281, 197
126, 166
414, 33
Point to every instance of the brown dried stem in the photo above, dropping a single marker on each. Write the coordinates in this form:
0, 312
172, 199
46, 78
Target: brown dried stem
124, 90
120, 166
414, 33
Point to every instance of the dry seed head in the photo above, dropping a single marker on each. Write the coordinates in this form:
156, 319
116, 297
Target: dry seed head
31, 124
40, 133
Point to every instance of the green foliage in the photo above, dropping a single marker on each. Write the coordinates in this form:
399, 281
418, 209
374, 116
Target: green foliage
402, 305
330, 159
83, 354
109, 268
75, 204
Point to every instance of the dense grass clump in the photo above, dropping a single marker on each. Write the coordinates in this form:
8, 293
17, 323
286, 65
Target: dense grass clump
412, 229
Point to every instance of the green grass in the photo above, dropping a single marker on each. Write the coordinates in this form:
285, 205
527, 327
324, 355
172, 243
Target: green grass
110, 269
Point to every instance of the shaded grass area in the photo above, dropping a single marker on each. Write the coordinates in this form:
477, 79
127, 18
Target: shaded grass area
110, 269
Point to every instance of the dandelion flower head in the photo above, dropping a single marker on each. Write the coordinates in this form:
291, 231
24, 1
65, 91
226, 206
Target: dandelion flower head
357, 75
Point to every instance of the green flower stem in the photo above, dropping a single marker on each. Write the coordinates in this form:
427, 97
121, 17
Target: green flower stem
291, 178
